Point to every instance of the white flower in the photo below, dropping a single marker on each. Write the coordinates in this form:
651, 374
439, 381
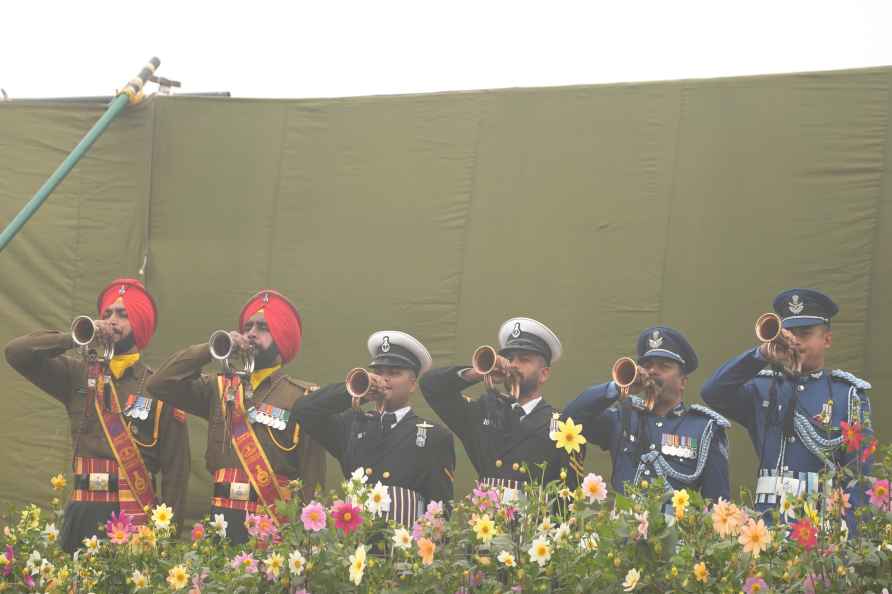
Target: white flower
50, 533
378, 501
296, 563
631, 581
220, 525
540, 551
139, 579
357, 565
161, 516
546, 526
594, 488
33, 563
46, 569
590, 542
507, 559
562, 532
787, 507
402, 539
91, 545
359, 475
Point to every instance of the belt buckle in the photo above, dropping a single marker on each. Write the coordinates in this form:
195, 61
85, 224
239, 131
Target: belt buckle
239, 491
789, 485
98, 481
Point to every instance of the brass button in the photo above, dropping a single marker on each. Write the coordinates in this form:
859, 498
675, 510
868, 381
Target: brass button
369, 471
498, 463
515, 467
385, 475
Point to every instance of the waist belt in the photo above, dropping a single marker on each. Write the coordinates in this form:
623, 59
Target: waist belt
502, 483
406, 506
96, 481
771, 485
233, 490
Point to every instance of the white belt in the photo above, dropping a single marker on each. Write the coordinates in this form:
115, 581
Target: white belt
779, 485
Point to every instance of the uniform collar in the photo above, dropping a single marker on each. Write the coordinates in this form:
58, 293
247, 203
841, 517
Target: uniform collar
121, 363
399, 414
261, 374
529, 406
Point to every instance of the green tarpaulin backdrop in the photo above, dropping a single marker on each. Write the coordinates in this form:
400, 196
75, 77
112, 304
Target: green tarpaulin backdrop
599, 210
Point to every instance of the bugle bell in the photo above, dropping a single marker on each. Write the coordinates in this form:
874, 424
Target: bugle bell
769, 330
626, 373
362, 384
83, 333
487, 362
223, 349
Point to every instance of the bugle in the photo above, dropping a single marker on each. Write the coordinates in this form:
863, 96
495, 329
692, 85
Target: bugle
362, 384
626, 373
224, 349
769, 330
487, 362
83, 333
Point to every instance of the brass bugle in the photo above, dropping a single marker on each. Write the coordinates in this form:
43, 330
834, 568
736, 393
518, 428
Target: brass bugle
768, 327
362, 383
83, 333
769, 330
223, 349
625, 373
220, 345
83, 330
487, 362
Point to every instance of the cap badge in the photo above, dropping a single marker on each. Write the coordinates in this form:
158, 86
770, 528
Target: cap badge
385, 345
795, 306
655, 341
516, 332
266, 297
122, 290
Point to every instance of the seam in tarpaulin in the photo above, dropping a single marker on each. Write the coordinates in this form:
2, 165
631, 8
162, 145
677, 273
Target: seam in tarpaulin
274, 211
466, 228
682, 95
876, 235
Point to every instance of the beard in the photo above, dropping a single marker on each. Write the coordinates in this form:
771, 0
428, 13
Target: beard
125, 344
529, 385
266, 358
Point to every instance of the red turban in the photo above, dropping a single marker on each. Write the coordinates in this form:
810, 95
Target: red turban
281, 317
140, 306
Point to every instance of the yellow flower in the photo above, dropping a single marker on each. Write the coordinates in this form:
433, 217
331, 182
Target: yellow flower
274, 564
631, 581
507, 559
177, 577
701, 573
161, 516
484, 528
680, 501
754, 537
812, 514
58, 482
568, 436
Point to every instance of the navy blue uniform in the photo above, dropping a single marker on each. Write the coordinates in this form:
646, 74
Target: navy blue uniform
687, 447
765, 402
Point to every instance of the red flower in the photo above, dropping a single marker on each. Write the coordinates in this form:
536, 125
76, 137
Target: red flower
852, 435
805, 533
347, 516
869, 450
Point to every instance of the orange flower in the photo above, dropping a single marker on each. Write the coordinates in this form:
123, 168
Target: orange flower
426, 549
754, 537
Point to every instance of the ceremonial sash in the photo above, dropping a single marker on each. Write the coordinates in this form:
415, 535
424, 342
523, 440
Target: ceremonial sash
250, 453
135, 493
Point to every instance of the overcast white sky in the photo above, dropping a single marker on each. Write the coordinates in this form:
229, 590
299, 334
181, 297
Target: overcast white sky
337, 48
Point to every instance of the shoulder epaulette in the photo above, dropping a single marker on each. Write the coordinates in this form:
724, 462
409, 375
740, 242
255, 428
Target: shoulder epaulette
304, 385
848, 377
708, 412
